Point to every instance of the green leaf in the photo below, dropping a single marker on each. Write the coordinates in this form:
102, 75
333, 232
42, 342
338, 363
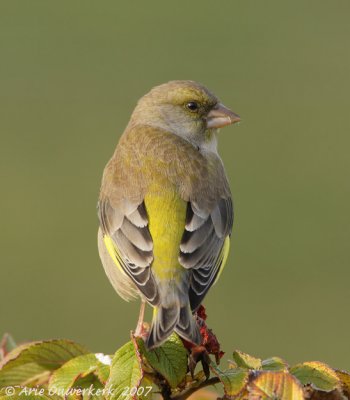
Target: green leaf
277, 385
146, 387
244, 360
79, 367
319, 375
7, 344
104, 368
27, 393
233, 379
274, 364
169, 359
32, 363
126, 373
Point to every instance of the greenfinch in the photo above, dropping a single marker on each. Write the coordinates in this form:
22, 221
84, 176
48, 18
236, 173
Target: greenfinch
165, 207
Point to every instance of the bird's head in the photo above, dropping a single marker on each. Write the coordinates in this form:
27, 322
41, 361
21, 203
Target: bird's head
185, 108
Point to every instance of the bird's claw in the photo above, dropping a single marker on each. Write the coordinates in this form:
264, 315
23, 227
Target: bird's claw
142, 330
199, 354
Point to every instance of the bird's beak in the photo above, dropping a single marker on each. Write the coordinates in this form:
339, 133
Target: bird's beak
220, 116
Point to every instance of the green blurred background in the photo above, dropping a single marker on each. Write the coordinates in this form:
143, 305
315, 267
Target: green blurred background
71, 72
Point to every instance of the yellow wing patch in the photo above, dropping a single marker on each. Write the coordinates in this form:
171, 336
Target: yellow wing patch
224, 254
113, 252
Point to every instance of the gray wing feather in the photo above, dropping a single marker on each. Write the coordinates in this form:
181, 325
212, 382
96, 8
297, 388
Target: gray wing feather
193, 221
202, 213
111, 219
192, 240
222, 217
139, 237
139, 216
202, 243
127, 227
132, 254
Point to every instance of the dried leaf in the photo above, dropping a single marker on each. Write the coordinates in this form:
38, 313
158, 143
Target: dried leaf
345, 381
272, 385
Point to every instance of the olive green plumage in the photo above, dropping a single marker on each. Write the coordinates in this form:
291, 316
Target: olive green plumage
165, 206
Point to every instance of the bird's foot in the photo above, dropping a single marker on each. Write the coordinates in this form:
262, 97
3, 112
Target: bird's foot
199, 354
209, 345
142, 330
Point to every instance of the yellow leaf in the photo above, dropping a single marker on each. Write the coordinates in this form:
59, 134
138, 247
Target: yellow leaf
271, 385
319, 375
345, 381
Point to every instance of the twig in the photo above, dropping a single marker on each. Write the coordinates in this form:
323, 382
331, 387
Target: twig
187, 393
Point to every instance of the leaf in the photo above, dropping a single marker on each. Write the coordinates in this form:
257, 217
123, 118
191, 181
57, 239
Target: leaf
245, 360
319, 375
126, 373
204, 394
79, 367
274, 364
234, 380
146, 386
7, 344
27, 393
271, 385
169, 359
33, 362
345, 381
103, 371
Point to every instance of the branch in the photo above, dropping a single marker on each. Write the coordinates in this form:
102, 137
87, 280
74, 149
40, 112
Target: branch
187, 393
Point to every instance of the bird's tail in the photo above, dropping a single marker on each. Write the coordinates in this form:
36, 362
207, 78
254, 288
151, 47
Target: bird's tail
173, 318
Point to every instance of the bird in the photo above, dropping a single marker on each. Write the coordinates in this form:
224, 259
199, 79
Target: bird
165, 207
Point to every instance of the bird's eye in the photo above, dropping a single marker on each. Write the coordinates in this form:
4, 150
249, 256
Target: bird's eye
192, 106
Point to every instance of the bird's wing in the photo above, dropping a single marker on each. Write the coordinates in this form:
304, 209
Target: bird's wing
205, 245
129, 243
